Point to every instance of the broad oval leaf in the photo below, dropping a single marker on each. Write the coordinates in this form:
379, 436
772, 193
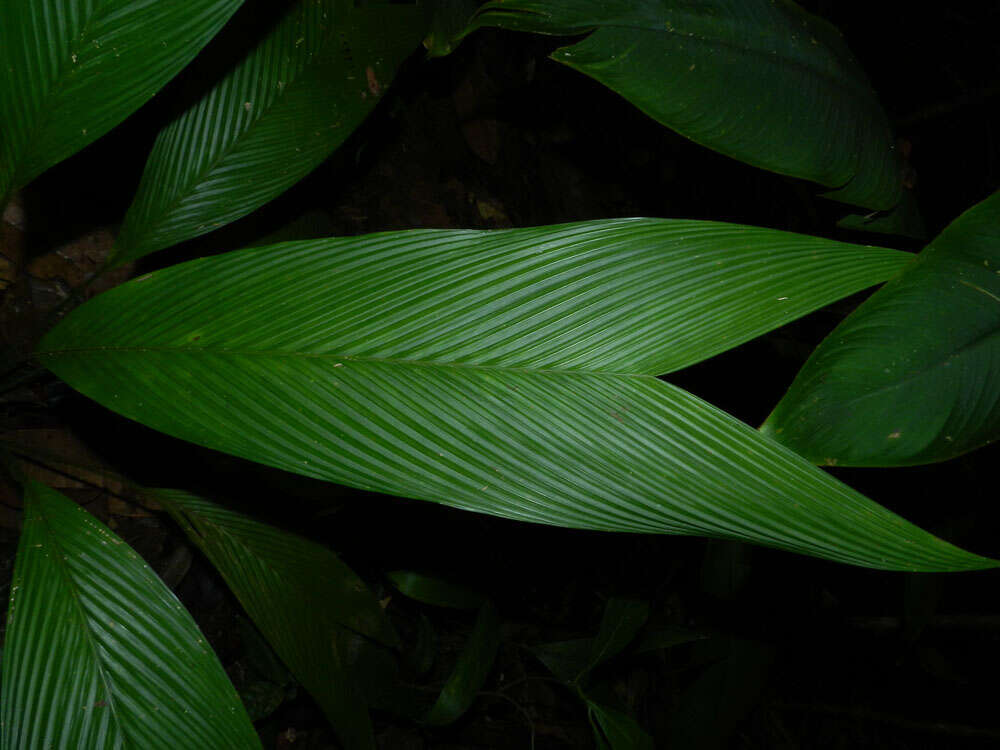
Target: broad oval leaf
913, 375
99, 652
507, 372
758, 80
73, 69
300, 595
270, 121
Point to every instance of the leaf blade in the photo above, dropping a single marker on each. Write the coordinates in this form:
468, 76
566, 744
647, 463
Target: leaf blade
550, 292
288, 104
470, 672
76, 69
617, 730
910, 377
435, 591
92, 627
622, 619
299, 594
762, 82
486, 379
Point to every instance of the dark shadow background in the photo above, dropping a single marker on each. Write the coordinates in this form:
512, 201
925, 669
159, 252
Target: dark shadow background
816, 655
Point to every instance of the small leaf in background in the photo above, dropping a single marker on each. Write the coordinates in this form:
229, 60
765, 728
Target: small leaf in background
725, 568
904, 220
622, 620
921, 601
710, 709
421, 655
435, 591
666, 637
293, 100
913, 375
572, 661
73, 69
449, 20
616, 730
473, 667
567, 660
99, 652
509, 372
760, 81
305, 601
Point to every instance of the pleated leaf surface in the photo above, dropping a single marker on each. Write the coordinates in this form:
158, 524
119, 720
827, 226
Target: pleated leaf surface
99, 652
508, 372
913, 375
294, 98
761, 81
70, 70
301, 597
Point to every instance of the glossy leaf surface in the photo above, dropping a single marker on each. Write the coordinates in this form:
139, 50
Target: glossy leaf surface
300, 595
758, 80
73, 69
913, 375
99, 652
295, 97
508, 372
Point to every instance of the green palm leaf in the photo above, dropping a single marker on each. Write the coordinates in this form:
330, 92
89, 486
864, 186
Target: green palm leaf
99, 652
913, 375
305, 601
758, 80
70, 70
270, 121
508, 372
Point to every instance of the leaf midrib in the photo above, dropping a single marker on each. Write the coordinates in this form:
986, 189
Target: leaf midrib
760, 53
280, 353
59, 560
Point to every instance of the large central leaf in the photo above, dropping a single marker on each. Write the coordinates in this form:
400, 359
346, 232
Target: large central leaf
509, 372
